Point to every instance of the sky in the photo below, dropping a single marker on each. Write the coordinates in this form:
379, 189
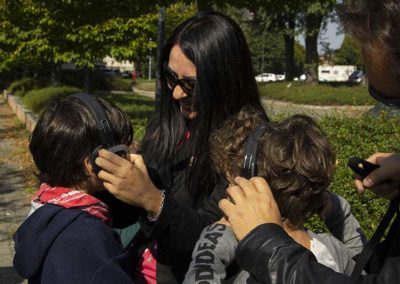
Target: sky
329, 35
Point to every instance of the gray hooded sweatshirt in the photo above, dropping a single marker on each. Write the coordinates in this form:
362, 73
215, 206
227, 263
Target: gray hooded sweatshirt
215, 249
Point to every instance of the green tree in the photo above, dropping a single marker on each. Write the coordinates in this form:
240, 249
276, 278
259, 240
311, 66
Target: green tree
293, 16
299, 59
82, 32
349, 53
312, 18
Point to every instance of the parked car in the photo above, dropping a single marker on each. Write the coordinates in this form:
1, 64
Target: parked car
357, 76
266, 77
301, 78
127, 74
280, 77
113, 72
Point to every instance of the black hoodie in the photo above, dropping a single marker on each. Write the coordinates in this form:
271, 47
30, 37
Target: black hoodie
58, 245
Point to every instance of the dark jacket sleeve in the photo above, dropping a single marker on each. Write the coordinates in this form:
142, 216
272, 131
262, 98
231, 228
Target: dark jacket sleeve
179, 225
271, 256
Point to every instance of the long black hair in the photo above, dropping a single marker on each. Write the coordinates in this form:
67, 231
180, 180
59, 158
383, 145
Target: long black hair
225, 83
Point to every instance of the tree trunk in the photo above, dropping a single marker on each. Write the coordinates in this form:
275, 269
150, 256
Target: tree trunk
289, 50
25, 71
138, 68
160, 46
203, 5
86, 82
313, 24
53, 74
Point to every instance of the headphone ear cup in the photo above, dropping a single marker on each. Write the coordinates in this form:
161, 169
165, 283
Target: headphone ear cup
93, 156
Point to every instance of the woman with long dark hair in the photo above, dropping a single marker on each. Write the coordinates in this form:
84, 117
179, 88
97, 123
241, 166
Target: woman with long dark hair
207, 76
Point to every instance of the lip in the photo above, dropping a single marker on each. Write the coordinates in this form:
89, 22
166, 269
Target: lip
186, 104
186, 108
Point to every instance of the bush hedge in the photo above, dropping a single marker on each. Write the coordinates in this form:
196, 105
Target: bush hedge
21, 87
361, 136
38, 99
321, 94
138, 108
97, 81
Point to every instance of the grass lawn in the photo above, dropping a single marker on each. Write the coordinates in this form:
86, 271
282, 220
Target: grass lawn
298, 92
145, 84
138, 108
322, 94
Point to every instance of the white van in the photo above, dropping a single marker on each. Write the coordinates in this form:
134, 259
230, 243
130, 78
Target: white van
335, 73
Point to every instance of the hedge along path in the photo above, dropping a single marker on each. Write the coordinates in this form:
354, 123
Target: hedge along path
14, 199
275, 108
278, 108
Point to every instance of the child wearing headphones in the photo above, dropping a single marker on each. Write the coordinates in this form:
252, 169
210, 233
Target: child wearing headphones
296, 159
67, 237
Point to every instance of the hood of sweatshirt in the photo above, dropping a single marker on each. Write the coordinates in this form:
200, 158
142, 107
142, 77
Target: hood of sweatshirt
35, 236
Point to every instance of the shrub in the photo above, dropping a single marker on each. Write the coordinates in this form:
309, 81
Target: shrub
145, 85
361, 136
120, 84
37, 100
138, 108
321, 94
21, 87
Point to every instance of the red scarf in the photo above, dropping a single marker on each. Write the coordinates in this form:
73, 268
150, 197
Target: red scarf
70, 198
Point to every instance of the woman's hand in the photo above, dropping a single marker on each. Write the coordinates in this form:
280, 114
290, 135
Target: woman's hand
384, 181
223, 221
129, 180
250, 203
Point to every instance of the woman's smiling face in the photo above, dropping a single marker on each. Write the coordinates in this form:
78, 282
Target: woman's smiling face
183, 68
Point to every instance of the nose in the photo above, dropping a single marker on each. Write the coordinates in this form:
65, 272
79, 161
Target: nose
178, 93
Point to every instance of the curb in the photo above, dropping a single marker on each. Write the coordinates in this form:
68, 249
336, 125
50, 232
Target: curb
27, 117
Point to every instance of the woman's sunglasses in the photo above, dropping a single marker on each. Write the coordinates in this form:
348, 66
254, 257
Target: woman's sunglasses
187, 84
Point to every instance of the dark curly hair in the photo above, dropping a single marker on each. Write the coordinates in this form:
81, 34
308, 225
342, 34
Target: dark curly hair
294, 156
374, 21
66, 134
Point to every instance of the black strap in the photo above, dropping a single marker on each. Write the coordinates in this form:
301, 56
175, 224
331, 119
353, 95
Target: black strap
365, 255
99, 114
249, 165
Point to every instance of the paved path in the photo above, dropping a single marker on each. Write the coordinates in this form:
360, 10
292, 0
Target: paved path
278, 107
14, 203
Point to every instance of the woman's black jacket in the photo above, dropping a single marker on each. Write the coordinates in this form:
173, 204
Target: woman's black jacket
271, 256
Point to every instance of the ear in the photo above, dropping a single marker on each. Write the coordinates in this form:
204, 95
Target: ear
87, 166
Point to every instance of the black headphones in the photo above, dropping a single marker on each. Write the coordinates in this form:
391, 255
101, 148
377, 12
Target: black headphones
249, 165
104, 129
